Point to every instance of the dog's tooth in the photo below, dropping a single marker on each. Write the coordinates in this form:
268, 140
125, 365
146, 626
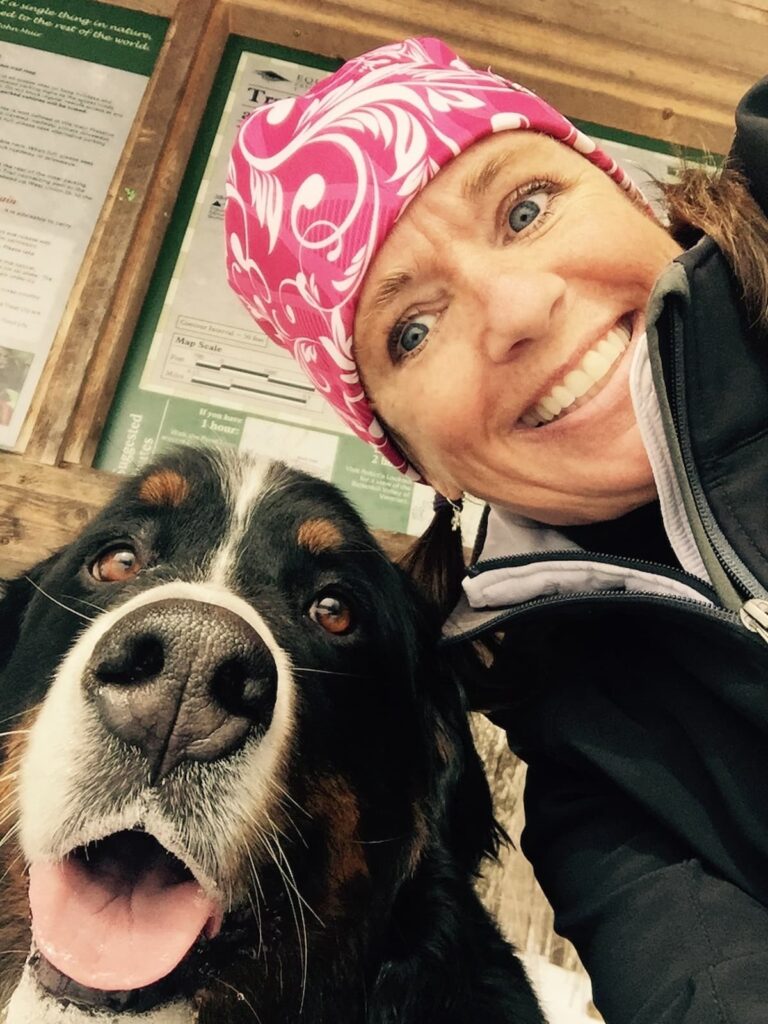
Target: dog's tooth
545, 414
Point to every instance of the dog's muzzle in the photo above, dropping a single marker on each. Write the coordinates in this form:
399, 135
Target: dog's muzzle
182, 681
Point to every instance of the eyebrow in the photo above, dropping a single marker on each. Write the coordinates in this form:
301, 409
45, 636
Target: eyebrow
390, 288
476, 184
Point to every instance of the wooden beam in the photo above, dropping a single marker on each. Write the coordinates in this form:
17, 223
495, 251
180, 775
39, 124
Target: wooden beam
670, 71
129, 290
43, 508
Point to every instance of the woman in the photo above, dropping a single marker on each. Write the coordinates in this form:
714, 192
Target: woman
486, 298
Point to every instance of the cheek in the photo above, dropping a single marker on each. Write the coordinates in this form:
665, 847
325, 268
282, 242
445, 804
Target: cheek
441, 420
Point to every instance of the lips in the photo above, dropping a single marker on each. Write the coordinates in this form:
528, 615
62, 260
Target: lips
119, 914
581, 383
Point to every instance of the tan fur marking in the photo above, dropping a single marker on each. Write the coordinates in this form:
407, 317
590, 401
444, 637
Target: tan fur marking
166, 488
15, 935
332, 800
318, 535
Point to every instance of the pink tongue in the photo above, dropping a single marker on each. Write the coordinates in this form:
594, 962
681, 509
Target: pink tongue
112, 935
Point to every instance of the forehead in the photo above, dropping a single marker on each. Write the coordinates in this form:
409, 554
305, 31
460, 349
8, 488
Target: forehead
474, 171
473, 179
198, 502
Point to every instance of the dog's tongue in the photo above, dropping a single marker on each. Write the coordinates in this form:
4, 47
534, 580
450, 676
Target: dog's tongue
114, 930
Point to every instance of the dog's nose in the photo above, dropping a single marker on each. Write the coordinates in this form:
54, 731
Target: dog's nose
183, 681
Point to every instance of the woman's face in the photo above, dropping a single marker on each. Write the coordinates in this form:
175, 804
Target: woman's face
496, 325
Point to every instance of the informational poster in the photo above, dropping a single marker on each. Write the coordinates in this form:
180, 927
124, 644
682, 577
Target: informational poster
201, 370
72, 75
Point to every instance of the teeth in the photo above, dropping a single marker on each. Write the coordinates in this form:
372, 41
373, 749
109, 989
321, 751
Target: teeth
596, 365
551, 405
578, 382
563, 396
593, 367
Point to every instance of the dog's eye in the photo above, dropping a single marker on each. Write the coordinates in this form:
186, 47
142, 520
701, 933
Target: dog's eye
332, 613
116, 565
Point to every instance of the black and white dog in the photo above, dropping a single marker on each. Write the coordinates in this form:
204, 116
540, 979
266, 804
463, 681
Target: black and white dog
238, 782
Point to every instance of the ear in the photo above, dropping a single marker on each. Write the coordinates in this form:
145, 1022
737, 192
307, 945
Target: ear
15, 598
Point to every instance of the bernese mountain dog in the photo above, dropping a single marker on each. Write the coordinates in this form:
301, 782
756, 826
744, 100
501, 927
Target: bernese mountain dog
237, 781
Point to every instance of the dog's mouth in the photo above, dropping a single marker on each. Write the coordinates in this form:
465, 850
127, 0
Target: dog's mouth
119, 914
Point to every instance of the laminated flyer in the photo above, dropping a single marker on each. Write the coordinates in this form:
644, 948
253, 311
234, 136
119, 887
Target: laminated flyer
72, 75
201, 370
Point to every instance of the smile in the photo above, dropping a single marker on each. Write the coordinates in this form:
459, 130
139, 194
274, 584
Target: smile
581, 384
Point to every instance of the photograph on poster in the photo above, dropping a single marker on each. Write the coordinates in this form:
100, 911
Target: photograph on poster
14, 367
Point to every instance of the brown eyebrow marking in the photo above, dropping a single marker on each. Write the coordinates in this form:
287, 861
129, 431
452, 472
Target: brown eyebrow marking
166, 487
318, 535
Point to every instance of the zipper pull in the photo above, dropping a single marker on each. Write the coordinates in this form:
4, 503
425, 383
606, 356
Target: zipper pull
754, 615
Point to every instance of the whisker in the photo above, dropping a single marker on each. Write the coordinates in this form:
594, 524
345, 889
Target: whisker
81, 600
287, 795
257, 911
9, 834
297, 911
88, 618
11, 718
331, 672
378, 842
241, 997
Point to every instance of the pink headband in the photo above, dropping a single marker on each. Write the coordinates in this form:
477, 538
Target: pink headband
316, 183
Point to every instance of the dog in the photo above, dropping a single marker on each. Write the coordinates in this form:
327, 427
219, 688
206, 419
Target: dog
238, 782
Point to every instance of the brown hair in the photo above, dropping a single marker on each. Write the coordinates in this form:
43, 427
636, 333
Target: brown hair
721, 205
700, 202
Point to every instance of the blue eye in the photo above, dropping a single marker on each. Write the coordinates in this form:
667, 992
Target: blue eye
408, 335
524, 213
412, 335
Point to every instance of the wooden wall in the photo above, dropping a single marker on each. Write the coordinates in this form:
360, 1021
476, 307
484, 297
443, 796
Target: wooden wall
670, 70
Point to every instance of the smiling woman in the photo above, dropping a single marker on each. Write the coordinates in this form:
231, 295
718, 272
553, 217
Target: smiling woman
534, 412
487, 299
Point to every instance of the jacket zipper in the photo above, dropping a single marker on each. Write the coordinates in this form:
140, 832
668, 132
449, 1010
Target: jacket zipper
569, 555
609, 596
732, 565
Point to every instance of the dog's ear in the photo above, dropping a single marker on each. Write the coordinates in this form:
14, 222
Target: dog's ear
15, 597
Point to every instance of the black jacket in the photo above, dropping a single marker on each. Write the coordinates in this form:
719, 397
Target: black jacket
644, 716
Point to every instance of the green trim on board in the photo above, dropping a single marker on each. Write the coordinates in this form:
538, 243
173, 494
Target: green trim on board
115, 37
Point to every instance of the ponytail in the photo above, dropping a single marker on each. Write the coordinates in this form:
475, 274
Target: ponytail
435, 562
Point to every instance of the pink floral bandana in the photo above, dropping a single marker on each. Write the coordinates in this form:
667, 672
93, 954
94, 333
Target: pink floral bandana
316, 183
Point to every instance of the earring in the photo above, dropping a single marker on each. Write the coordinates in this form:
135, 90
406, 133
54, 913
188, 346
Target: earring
442, 502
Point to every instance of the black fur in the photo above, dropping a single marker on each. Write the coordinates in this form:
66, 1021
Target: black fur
397, 814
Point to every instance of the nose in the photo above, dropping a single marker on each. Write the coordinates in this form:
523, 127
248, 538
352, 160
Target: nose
515, 306
182, 681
